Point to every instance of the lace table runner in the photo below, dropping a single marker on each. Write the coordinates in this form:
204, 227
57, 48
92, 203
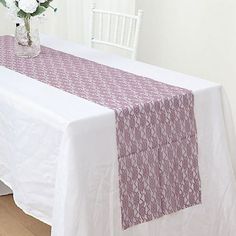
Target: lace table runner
155, 126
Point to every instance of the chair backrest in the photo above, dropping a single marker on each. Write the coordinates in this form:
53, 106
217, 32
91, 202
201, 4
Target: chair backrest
116, 30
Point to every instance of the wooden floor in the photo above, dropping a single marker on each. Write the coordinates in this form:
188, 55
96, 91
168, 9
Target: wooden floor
13, 222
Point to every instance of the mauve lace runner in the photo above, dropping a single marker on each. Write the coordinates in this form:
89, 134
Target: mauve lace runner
155, 125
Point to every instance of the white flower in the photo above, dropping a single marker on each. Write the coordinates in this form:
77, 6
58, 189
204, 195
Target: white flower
11, 4
12, 8
42, 1
28, 6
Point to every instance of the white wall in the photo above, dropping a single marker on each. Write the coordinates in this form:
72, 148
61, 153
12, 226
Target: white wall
72, 18
197, 37
6, 26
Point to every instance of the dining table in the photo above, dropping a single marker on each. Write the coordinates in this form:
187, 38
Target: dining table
58, 152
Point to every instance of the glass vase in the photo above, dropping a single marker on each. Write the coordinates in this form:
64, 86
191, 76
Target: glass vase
27, 42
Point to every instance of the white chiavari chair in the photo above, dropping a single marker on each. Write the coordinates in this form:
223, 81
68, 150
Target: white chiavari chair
116, 30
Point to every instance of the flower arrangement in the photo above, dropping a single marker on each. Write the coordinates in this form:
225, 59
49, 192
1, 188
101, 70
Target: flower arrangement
22, 11
27, 8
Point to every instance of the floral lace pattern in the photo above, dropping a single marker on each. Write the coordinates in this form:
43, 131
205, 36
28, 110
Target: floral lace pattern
155, 126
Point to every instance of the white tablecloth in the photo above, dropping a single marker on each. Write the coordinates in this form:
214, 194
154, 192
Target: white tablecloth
58, 154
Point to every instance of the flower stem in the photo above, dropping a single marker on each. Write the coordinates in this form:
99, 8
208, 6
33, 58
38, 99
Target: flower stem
27, 27
54, 9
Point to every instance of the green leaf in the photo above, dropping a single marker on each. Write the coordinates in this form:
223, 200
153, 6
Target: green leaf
22, 14
46, 4
39, 11
3, 3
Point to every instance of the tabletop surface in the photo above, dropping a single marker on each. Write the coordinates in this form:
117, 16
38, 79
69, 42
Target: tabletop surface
56, 101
